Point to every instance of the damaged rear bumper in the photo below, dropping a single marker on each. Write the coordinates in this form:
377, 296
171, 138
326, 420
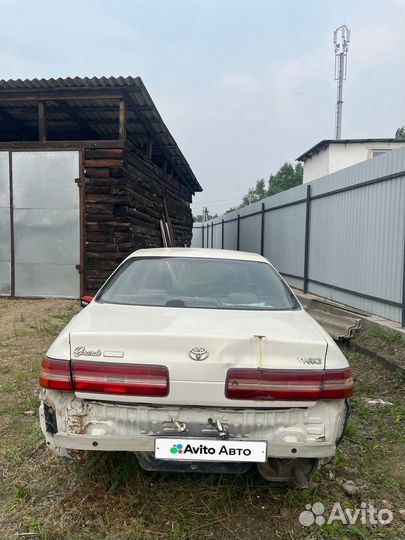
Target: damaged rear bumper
122, 443
70, 423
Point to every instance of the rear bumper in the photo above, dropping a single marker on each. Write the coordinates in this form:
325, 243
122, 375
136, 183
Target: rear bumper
122, 443
70, 423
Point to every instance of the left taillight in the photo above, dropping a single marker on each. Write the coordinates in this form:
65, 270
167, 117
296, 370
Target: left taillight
55, 374
120, 378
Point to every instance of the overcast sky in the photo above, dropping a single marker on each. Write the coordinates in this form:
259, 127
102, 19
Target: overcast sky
243, 85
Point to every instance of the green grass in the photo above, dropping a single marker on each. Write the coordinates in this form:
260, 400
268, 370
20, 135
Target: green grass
387, 334
109, 496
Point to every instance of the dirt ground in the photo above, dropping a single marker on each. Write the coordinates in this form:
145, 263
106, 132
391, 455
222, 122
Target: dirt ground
109, 496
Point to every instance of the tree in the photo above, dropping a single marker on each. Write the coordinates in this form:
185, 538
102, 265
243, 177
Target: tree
400, 133
255, 194
285, 178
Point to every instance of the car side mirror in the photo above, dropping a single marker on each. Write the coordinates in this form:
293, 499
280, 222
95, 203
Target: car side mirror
85, 300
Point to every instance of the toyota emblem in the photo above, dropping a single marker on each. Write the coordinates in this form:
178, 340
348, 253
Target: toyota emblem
198, 353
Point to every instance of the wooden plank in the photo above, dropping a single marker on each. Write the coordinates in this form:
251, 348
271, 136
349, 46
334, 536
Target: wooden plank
55, 94
122, 126
172, 237
106, 226
117, 173
42, 132
103, 181
56, 145
90, 172
100, 163
99, 209
104, 153
91, 198
95, 247
149, 149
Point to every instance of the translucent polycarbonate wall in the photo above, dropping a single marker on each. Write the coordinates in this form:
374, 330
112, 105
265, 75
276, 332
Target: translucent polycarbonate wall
5, 233
44, 235
340, 237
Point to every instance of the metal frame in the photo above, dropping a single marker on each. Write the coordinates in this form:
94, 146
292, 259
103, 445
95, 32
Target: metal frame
55, 146
82, 221
12, 249
41, 147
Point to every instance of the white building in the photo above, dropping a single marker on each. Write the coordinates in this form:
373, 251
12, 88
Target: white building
329, 156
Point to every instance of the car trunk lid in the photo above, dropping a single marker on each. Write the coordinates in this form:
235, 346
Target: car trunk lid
197, 346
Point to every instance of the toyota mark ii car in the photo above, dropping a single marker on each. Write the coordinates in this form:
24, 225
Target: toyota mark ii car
197, 360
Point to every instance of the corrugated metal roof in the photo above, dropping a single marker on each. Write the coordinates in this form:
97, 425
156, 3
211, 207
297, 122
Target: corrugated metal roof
326, 142
69, 82
94, 118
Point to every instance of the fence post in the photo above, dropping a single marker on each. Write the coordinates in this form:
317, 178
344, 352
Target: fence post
208, 232
202, 236
403, 288
222, 234
262, 232
238, 234
212, 234
306, 247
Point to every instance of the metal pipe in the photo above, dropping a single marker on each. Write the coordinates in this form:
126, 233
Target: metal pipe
339, 102
238, 234
262, 232
341, 39
307, 233
212, 235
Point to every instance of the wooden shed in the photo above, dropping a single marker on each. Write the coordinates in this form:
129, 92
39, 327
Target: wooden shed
88, 173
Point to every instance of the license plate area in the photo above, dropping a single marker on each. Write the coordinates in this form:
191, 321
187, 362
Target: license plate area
185, 449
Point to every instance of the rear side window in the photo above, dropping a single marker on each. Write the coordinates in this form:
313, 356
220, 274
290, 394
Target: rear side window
198, 283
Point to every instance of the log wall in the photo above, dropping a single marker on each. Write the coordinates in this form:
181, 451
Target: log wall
124, 197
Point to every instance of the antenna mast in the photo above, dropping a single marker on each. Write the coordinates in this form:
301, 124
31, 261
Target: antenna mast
341, 39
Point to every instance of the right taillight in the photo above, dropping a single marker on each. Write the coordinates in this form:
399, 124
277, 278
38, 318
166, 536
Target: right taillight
55, 374
288, 385
337, 384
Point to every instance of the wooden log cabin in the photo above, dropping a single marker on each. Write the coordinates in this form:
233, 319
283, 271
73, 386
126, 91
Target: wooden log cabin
89, 173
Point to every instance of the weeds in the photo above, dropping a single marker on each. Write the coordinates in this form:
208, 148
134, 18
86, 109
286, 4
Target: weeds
110, 496
387, 334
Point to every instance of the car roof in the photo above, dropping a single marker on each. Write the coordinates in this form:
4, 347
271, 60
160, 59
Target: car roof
205, 253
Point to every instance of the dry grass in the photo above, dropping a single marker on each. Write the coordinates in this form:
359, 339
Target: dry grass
109, 496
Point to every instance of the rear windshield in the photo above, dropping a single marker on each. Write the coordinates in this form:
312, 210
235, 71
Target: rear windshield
198, 283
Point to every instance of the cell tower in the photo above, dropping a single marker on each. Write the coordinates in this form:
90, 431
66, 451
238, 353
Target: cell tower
341, 39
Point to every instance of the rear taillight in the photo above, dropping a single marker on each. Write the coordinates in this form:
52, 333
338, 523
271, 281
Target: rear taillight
55, 374
124, 379
289, 385
337, 384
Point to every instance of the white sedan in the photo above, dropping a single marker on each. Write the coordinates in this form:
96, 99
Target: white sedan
197, 360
